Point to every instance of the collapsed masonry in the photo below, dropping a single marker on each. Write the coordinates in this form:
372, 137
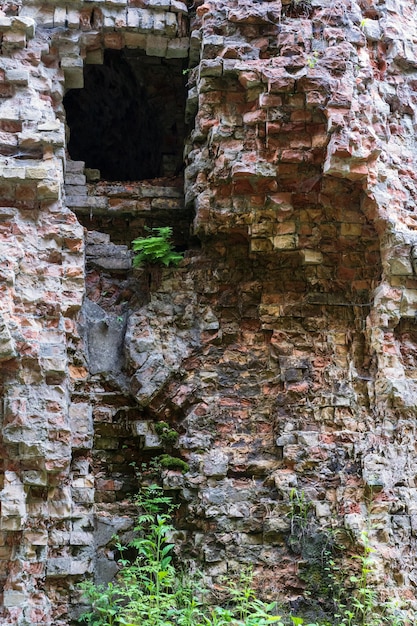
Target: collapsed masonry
283, 347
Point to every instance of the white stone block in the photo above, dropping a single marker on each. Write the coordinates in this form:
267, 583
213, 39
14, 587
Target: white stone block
13, 598
18, 77
178, 7
26, 24
161, 5
159, 22
60, 17
73, 18
312, 257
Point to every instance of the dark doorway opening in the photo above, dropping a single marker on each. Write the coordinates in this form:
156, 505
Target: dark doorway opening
128, 120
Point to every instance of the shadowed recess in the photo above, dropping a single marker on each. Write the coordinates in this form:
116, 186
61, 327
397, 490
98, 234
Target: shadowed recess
128, 120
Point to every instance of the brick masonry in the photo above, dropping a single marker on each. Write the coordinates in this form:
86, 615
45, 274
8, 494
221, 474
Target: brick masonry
283, 347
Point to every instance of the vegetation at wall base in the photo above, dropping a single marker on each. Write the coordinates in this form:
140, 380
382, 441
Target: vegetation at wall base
150, 590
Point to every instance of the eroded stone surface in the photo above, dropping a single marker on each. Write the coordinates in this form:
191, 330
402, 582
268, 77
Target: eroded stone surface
282, 349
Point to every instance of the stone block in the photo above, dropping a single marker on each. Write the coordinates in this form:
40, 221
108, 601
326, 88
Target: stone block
12, 508
216, 463
97, 202
371, 29
94, 57
400, 266
145, 24
267, 100
36, 537
54, 364
13, 40
82, 495
159, 23
140, 429
350, 229
312, 257
107, 443
92, 175
135, 40
308, 438
159, 5
5, 23
105, 570
7, 344
323, 509
279, 524
60, 17
408, 304
59, 566
12, 173
172, 480
79, 567
75, 167
13, 598
18, 76
284, 242
156, 46
36, 172
178, 7
25, 24
11, 524
73, 72
109, 24
60, 509
83, 482
75, 179
82, 539
77, 202
35, 478
261, 245
178, 48
80, 415
133, 17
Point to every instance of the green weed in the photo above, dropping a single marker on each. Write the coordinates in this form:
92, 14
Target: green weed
156, 249
149, 591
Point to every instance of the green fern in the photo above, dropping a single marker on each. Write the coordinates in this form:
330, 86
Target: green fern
156, 249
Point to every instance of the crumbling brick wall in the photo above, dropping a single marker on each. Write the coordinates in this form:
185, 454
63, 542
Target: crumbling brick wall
282, 349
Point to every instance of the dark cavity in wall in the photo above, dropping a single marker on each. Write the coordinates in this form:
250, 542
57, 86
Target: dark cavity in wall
128, 120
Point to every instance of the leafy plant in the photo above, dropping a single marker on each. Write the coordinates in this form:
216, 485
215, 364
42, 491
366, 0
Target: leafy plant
144, 591
246, 608
364, 601
312, 60
157, 248
300, 509
149, 591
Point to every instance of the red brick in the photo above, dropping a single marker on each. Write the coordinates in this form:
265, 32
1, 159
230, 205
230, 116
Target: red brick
254, 117
281, 85
243, 187
6, 90
11, 126
267, 100
264, 186
301, 116
114, 41
293, 156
